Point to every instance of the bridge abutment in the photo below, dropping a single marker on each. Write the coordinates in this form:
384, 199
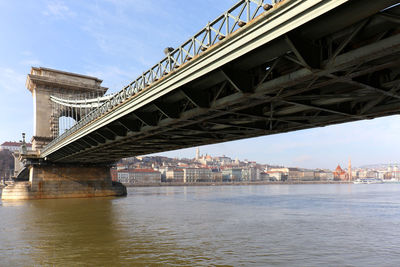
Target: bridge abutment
48, 181
59, 180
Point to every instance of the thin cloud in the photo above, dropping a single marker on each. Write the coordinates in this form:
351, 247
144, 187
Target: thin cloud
11, 80
113, 77
58, 10
303, 160
119, 16
26, 53
31, 62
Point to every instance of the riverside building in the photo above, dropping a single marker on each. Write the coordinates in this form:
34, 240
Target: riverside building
139, 176
192, 175
14, 146
175, 176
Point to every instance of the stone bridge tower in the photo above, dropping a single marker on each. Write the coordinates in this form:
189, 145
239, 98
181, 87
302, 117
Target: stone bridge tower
43, 83
45, 179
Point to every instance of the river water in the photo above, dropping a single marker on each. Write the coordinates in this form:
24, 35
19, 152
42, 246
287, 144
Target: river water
271, 225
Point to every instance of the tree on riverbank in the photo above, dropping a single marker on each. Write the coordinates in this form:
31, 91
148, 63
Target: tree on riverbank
6, 163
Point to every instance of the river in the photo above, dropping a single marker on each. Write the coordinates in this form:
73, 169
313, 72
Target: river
266, 225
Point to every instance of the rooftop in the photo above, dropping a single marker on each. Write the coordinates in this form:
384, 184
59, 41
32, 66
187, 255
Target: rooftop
140, 170
18, 144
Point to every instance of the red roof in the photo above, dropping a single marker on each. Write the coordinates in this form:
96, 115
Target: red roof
183, 165
338, 169
139, 170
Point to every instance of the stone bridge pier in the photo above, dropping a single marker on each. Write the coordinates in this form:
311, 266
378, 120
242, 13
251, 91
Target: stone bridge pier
42, 179
48, 180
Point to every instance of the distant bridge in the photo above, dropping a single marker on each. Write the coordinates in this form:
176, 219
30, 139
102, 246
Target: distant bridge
257, 69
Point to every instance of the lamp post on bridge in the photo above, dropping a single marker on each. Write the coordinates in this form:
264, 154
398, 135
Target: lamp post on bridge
22, 149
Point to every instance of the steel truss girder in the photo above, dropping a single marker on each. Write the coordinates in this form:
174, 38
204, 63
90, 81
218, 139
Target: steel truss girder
365, 86
308, 54
276, 90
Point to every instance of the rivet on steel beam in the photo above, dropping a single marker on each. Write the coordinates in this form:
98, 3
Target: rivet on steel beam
203, 48
176, 66
188, 58
221, 37
267, 7
241, 23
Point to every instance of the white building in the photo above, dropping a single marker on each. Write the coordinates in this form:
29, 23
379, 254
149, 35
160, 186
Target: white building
277, 175
192, 175
175, 175
139, 176
14, 146
232, 174
251, 174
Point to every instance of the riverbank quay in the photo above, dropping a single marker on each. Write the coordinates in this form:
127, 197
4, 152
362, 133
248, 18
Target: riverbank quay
166, 184
204, 184
237, 183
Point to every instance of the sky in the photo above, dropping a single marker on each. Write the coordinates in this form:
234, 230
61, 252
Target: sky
117, 40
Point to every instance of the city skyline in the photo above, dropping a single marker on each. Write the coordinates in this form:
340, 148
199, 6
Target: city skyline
73, 36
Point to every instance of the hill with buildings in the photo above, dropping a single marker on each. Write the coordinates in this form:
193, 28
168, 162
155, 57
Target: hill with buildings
213, 169
206, 168
220, 169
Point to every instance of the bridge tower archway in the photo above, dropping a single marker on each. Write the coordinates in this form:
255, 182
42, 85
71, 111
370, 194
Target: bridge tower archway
44, 83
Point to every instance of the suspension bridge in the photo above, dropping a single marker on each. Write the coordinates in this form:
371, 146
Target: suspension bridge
258, 69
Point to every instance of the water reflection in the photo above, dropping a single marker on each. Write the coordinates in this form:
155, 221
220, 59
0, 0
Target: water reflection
66, 231
83, 231
306, 225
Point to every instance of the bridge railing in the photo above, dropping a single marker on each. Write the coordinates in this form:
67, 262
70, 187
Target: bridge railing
239, 15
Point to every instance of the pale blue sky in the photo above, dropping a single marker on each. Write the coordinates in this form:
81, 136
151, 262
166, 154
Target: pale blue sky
116, 40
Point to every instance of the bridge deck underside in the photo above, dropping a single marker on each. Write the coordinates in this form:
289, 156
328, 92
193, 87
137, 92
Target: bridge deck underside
339, 68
